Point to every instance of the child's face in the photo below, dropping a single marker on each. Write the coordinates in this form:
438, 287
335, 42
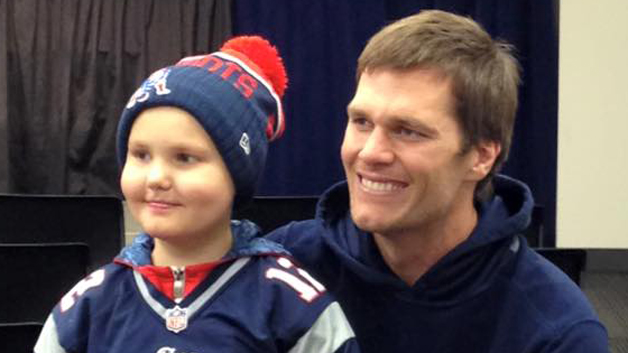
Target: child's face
174, 179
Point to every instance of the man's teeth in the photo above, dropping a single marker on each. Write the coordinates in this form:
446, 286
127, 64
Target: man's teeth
378, 186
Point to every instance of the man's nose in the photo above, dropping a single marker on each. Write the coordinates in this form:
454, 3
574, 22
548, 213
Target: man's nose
377, 148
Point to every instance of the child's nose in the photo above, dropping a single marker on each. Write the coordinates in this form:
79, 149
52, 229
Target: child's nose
158, 176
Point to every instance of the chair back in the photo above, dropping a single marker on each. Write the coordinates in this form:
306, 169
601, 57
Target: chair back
34, 277
97, 221
19, 337
571, 261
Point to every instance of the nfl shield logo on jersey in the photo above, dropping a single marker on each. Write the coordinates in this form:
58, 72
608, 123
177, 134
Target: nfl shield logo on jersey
176, 319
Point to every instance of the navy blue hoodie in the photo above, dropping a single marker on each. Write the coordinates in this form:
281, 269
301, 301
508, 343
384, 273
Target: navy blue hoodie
492, 293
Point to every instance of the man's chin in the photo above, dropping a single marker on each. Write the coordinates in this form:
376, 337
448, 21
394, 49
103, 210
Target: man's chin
369, 224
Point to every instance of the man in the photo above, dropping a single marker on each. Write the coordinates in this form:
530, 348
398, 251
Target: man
422, 244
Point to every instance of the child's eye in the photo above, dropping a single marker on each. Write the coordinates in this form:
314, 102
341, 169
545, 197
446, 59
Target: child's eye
186, 158
140, 155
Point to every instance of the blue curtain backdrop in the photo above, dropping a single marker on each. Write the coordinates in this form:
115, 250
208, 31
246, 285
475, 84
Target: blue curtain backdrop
320, 41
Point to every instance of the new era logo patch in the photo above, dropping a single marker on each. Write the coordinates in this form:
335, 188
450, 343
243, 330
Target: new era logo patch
245, 143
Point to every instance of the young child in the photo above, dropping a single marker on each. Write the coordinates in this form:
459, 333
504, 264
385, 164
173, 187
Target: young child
192, 142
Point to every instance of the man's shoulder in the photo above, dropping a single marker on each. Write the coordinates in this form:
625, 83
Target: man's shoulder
313, 245
298, 234
549, 294
542, 304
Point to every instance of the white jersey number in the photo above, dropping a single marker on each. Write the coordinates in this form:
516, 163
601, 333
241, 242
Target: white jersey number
304, 284
93, 280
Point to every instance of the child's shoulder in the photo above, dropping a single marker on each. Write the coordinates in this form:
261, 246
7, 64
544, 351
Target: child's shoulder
88, 300
294, 303
274, 266
281, 279
93, 291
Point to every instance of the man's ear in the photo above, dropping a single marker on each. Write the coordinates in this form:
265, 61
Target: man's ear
484, 155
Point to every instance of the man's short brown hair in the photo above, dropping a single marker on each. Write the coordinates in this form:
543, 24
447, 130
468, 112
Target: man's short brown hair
483, 72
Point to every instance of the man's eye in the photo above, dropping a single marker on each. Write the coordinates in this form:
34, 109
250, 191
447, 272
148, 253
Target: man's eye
361, 123
406, 133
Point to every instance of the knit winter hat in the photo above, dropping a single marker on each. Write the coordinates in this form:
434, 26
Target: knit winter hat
235, 94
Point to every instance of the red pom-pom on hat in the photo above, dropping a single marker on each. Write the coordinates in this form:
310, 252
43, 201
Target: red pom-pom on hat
264, 55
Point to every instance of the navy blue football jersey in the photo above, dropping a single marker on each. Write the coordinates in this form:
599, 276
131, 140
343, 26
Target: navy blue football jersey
255, 300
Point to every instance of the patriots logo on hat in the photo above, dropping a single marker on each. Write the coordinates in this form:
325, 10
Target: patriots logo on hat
156, 81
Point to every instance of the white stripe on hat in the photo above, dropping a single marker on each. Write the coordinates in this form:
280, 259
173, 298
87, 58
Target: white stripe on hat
280, 119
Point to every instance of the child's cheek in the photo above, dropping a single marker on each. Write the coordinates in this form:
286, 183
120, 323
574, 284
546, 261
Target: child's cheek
131, 181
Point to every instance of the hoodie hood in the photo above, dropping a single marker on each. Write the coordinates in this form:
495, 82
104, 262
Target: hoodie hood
465, 271
246, 242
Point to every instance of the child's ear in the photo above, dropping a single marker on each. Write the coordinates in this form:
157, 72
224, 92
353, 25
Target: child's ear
484, 155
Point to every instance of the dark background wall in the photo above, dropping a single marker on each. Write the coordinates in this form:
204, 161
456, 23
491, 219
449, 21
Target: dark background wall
68, 66
321, 40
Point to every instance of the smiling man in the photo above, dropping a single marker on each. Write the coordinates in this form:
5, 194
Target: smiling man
422, 244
